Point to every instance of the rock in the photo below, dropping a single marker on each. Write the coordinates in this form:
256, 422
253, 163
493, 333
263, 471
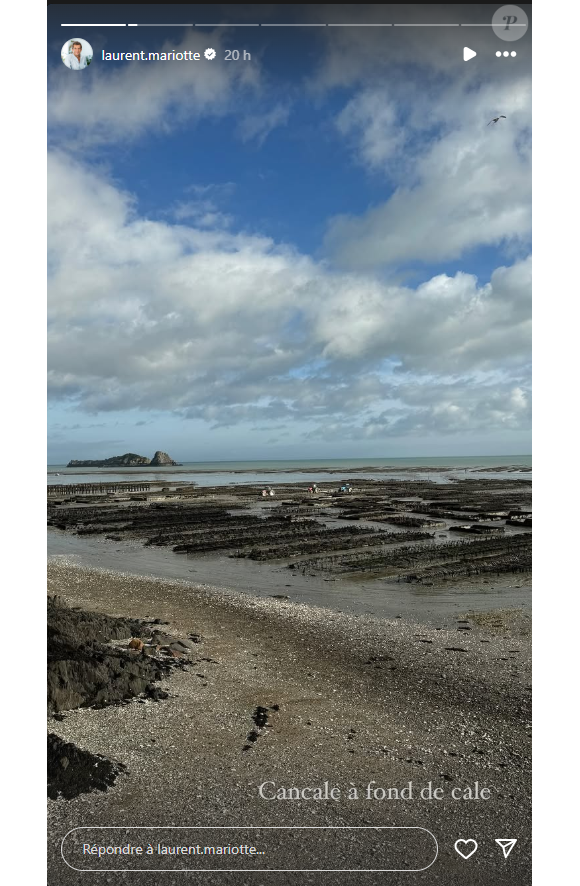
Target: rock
85, 672
157, 694
260, 717
128, 460
158, 639
161, 458
181, 646
72, 771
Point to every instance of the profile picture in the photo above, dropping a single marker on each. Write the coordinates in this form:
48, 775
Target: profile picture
77, 54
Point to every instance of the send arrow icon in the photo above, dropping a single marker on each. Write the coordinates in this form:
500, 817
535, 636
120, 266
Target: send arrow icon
468, 53
506, 846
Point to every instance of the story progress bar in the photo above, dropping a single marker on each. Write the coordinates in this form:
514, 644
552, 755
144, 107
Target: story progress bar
300, 25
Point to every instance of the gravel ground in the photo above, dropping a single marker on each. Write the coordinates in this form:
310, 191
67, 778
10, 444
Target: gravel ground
347, 699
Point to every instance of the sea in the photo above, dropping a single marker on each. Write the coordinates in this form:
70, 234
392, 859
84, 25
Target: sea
219, 473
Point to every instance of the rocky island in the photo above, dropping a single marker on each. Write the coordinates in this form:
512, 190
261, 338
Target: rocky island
128, 460
160, 459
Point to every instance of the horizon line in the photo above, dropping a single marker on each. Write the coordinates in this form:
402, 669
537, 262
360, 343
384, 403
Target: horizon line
333, 458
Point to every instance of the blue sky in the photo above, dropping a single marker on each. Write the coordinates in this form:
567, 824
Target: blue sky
324, 251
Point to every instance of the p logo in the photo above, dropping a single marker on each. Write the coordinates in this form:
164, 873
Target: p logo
509, 23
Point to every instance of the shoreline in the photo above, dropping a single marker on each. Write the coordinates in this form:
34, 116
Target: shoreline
435, 607
410, 547
319, 469
360, 698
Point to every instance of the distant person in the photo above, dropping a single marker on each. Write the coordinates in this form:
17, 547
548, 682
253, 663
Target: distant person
76, 60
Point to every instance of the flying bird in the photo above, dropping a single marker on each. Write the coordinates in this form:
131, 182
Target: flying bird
495, 119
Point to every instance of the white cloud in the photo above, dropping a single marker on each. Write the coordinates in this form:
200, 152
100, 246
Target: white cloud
257, 127
234, 328
203, 206
363, 55
468, 185
372, 118
435, 409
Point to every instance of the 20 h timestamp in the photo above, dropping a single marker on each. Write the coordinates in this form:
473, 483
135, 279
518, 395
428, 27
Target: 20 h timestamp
236, 55
230, 55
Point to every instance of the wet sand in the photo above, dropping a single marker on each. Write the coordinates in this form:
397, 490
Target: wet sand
358, 699
212, 476
303, 545
437, 605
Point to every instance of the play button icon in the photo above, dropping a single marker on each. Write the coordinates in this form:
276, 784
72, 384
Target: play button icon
468, 53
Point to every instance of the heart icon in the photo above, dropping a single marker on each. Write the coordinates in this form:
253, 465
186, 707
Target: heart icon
463, 847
